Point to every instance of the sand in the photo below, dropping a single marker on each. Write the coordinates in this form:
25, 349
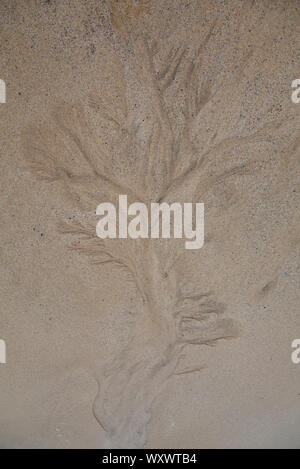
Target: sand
140, 343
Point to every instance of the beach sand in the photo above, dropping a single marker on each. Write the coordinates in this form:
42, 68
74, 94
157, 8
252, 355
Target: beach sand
186, 100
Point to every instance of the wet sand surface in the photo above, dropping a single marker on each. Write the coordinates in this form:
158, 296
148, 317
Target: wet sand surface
186, 101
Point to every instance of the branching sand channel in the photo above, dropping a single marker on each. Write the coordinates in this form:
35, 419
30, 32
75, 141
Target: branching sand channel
152, 160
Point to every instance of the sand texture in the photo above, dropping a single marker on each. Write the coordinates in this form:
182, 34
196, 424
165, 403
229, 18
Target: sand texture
141, 343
